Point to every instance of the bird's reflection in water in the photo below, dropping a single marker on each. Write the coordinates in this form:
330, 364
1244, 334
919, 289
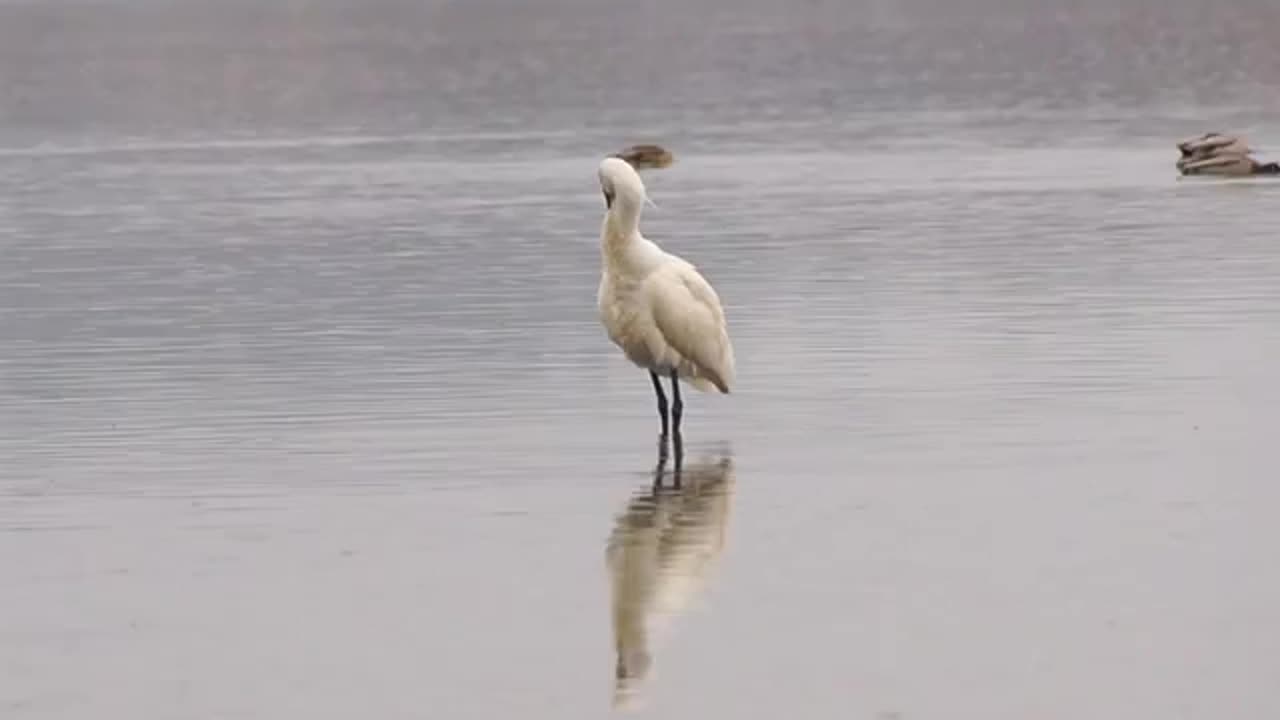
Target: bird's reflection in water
659, 554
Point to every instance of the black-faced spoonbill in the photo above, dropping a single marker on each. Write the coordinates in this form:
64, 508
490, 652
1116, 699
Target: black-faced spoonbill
655, 306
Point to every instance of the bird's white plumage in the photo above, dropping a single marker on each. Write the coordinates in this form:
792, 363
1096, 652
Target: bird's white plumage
654, 305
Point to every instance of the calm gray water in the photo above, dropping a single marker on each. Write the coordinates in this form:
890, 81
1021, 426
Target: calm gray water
305, 411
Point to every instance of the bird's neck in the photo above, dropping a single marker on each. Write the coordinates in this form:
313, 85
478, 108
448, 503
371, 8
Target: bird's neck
624, 215
621, 227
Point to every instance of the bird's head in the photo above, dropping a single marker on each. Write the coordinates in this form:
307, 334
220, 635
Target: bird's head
619, 180
620, 172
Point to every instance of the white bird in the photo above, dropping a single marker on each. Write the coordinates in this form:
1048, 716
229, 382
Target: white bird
655, 306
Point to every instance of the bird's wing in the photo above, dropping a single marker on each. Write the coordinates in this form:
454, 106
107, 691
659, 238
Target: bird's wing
687, 312
1215, 144
1217, 163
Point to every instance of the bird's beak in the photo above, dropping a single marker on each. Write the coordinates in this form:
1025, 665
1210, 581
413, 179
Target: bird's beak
608, 199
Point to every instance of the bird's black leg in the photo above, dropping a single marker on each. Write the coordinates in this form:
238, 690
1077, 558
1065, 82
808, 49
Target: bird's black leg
677, 407
677, 411
662, 407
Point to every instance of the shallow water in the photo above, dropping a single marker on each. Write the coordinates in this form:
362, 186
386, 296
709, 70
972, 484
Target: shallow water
305, 410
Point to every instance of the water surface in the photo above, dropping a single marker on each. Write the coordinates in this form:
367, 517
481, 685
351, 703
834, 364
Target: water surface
305, 411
